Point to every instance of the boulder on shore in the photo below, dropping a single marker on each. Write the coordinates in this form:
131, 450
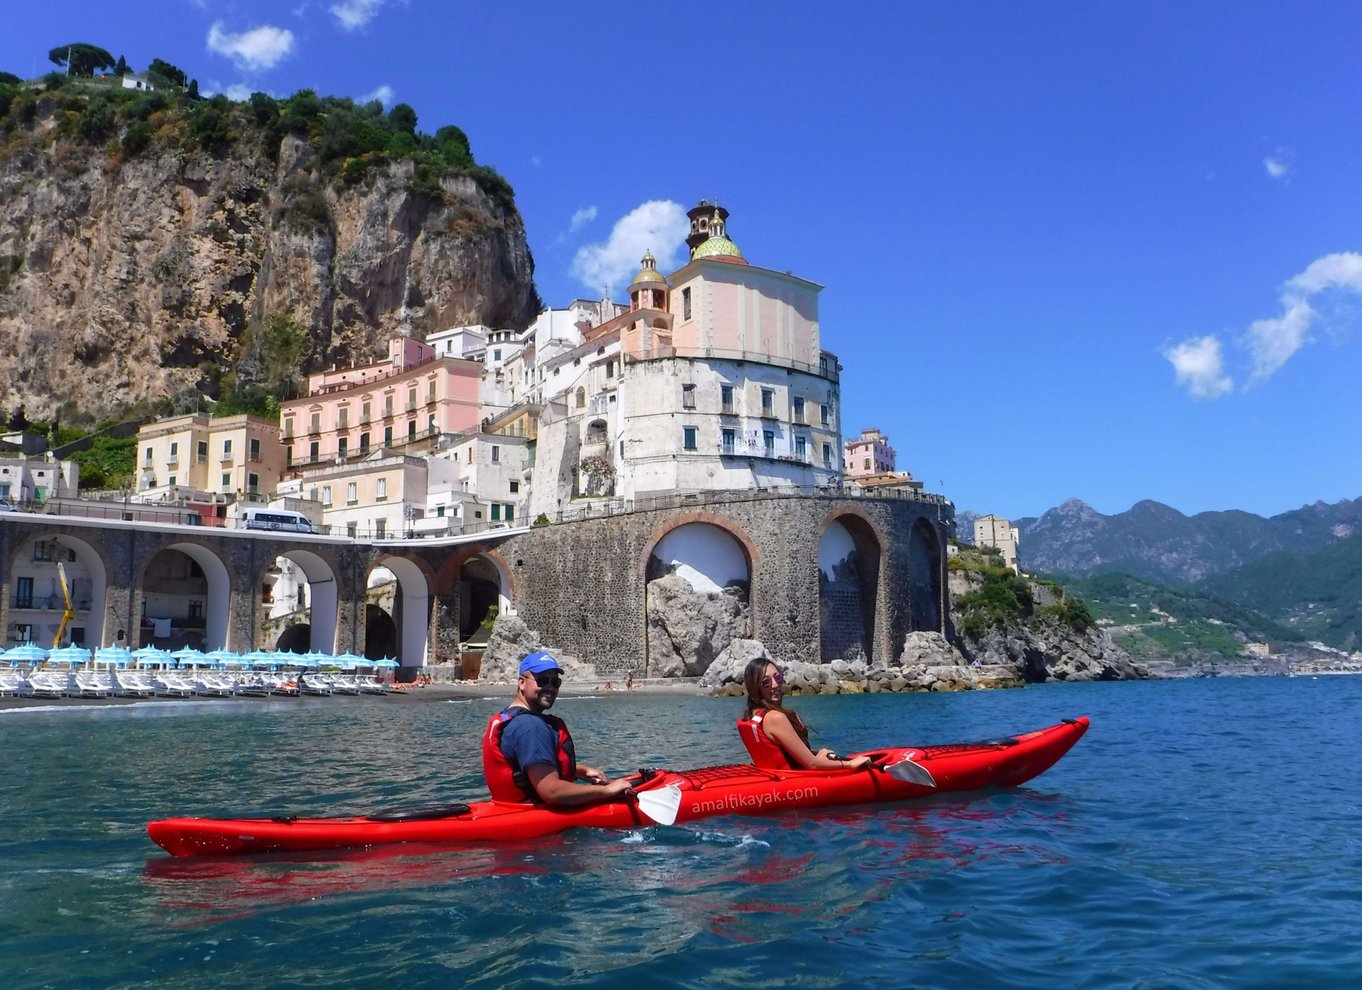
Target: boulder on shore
512, 641
688, 629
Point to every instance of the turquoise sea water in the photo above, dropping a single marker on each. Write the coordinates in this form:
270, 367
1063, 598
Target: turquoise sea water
1203, 834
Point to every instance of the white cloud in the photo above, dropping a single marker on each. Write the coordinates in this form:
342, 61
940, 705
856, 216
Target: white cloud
658, 225
259, 48
1277, 168
536, 161
1271, 342
1333, 271
384, 94
581, 218
1199, 364
355, 14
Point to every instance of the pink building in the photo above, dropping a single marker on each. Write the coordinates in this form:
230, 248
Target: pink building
404, 402
869, 455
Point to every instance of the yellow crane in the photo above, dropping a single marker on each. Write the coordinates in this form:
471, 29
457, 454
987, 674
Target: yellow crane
69, 613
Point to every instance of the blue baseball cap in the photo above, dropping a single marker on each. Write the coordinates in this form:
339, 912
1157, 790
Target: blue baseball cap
538, 663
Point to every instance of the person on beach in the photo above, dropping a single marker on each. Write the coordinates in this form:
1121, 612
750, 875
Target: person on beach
527, 754
774, 735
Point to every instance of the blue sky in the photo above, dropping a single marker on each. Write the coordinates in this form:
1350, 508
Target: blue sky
1094, 250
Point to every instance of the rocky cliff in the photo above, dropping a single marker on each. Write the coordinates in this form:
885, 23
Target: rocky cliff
127, 279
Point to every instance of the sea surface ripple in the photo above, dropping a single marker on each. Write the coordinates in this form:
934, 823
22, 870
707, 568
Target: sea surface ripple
1205, 833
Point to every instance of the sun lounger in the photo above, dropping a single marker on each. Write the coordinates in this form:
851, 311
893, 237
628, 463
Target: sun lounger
91, 684
48, 684
133, 684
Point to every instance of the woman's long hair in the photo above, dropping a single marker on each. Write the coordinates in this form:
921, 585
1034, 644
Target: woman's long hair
752, 677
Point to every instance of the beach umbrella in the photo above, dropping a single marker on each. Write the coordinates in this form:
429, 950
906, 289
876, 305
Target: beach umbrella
152, 655
220, 658
69, 654
349, 661
231, 659
26, 653
113, 656
188, 656
386, 662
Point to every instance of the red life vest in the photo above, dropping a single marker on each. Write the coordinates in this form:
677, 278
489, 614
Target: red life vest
765, 751
506, 781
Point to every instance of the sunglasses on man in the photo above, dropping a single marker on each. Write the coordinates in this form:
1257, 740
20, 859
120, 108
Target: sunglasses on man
547, 680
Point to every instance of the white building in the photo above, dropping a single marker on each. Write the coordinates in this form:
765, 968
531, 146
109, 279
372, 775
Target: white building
711, 379
34, 480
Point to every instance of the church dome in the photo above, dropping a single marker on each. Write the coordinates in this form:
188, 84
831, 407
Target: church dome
719, 247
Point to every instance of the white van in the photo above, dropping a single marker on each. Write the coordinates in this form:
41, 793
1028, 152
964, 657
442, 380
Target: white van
281, 520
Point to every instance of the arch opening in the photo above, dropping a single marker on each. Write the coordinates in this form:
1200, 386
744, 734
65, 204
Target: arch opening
186, 595
697, 598
400, 590
848, 589
301, 603
37, 602
925, 611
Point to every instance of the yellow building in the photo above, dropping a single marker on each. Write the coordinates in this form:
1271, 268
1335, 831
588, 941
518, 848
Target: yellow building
231, 455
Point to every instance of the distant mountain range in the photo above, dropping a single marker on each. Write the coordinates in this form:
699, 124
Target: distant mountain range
1298, 572
1158, 543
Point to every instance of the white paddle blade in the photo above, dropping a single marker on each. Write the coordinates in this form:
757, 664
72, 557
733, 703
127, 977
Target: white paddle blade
911, 773
661, 804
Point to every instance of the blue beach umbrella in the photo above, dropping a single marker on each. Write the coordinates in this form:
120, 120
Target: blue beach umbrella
152, 656
221, 658
26, 653
75, 655
386, 662
188, 656
113, 656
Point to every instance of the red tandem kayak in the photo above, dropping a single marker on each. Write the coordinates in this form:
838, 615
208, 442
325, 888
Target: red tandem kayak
664, 796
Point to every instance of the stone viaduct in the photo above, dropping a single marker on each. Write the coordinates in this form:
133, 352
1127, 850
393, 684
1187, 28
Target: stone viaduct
582, 584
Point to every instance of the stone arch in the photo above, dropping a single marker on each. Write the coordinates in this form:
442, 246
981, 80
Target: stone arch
712, 518
926, 604
697, 593
411, 606
484, 582
168, 594
94, 568
850, 551
324, 599
380, 633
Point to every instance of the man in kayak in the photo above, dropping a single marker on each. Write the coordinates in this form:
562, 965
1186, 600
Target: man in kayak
527, 754
776, 738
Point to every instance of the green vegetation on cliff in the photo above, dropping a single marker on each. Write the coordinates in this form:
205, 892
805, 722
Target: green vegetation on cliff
1004, 599
350, 140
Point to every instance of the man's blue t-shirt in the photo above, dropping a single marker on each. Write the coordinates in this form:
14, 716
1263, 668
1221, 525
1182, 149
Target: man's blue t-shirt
527, 739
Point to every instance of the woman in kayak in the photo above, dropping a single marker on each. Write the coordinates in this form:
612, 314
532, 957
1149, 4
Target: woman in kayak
775, 736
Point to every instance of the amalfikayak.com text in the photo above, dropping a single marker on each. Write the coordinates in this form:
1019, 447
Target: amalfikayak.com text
735, 802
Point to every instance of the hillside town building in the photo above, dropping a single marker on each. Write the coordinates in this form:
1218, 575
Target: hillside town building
999, 533
868, 455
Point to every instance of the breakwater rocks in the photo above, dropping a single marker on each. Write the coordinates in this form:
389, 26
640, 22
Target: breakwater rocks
930, 662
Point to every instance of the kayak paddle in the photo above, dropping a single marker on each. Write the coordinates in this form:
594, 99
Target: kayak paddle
660, 804
905, 770
908, 772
